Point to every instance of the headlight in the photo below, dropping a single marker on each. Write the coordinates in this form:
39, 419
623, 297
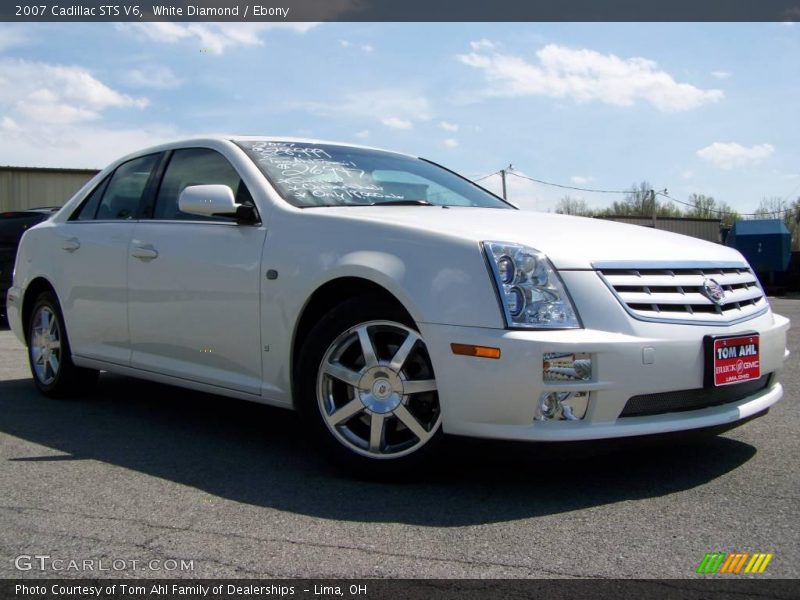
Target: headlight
530, 290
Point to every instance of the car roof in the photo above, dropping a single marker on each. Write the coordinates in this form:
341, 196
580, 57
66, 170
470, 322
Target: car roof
294, 140
251, 138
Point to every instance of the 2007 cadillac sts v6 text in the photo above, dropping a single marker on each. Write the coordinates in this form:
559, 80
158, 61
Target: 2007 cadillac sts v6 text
389, 300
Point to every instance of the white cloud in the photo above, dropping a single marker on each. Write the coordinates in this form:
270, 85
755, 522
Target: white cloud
363, 134
687, 174
46, 93
482, 44
153, 76
729, 155
580, 180
721, 74
76, 145
586, 76
51, 116
363, 47
8, 124
214, 38
397, 123
398, 106
11, 35
451, 143
448, 126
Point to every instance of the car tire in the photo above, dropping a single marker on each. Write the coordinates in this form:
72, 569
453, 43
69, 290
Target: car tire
49, 354
367, 390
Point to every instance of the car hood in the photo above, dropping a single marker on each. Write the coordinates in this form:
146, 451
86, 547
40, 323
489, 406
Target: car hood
569, 242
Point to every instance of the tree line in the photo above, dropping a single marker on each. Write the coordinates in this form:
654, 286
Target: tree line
638, 202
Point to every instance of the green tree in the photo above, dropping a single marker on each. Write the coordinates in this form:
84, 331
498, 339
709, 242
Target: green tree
573, 206
772, 208
638, 202
781, 208
703, 207
706, 207
793, 223
728, 214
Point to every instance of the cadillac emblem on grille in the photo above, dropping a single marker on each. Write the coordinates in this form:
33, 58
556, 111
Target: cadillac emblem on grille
714, 291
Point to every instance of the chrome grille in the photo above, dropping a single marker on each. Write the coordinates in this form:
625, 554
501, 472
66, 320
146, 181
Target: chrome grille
677, 294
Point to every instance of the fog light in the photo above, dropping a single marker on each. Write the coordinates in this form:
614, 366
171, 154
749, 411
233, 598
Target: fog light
564, 406
548, 404
566, 366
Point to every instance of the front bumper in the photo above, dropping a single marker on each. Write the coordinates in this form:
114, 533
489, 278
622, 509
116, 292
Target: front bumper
497, 398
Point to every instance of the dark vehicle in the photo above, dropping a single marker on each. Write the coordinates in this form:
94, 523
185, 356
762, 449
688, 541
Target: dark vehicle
12, 225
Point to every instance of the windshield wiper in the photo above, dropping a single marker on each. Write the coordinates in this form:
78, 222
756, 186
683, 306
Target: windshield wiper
403, 202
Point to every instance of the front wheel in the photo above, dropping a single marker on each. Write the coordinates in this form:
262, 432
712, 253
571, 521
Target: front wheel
367, 383
49, 354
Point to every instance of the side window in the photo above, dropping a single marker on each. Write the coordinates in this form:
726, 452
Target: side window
196, 166
89, 207
124, 192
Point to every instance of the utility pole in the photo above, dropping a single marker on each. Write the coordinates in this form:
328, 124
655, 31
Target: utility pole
503, 179
652, 195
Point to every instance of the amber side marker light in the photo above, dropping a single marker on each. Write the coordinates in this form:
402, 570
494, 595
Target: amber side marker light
477, 351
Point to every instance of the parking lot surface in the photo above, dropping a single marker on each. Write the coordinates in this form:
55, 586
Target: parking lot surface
144, 474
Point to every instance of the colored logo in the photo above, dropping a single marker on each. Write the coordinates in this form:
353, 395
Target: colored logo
734, 562
714, 291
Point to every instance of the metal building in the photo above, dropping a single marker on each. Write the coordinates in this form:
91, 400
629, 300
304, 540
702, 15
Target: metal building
704, 229
29, 187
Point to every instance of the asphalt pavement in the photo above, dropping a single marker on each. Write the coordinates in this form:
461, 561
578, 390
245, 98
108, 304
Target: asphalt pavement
147, 480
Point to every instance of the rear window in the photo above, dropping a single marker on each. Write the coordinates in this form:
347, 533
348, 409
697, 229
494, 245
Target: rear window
124, 192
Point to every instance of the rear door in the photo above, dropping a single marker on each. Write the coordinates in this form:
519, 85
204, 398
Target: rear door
194, 284
92, 257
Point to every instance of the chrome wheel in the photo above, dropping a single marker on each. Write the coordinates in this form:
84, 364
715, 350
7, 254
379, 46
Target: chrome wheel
45, 345
376, 390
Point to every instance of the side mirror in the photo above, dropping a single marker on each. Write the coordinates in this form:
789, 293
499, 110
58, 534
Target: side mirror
214, 201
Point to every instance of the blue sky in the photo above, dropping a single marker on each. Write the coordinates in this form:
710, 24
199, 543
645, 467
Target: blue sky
705, 108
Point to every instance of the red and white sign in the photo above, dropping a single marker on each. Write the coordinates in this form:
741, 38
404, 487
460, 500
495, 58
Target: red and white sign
736, 359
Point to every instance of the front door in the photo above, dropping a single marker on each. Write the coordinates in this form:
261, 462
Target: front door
194, 283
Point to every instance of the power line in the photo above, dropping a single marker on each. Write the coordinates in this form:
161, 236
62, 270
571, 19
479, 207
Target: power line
485, 177
781, 212
569, 187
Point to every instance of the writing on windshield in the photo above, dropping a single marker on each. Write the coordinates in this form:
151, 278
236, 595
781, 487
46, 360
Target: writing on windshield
307, 175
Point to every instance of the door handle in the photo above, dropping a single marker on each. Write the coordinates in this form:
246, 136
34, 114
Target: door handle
71, 244
144, 252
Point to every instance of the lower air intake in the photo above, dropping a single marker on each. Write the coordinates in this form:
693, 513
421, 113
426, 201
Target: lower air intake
683, 400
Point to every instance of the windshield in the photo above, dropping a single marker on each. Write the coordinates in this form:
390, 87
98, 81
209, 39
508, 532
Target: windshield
309, 175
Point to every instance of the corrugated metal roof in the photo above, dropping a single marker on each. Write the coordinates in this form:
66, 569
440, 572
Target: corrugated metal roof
659, 218
48, 169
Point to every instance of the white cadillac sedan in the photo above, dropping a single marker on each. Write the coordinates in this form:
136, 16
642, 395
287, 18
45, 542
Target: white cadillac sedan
389, 300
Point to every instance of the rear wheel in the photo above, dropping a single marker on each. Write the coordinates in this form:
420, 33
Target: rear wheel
49, 354
368, 387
